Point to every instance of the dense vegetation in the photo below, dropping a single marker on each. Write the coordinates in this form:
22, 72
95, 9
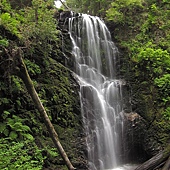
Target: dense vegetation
140, 29
31, 27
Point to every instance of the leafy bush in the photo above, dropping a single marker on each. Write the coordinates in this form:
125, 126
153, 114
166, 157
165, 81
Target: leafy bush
157, 60
163, 84
3, 42
33, 68
20, 155
13, 127
38, 28
10, 23
167, 113
119, 9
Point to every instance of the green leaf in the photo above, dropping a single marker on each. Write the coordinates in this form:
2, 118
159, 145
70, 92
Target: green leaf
5, 114
2, 127
4, 42
28, 136
13, 135
25, 128
6, 132
5, 17
17, 126
10, 122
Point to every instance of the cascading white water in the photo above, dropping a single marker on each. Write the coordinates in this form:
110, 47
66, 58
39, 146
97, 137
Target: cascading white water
100, 91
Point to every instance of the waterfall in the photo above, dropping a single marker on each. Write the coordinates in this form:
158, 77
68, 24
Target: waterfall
100, 91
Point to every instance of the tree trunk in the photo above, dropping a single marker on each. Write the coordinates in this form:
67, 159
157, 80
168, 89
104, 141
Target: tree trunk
22, 72
156, 160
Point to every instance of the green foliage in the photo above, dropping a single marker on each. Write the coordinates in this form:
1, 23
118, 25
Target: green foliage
3, 42
18, 4
58, 89
5, 5
32, 68
10, 23
167, 113
4, 101
34, 26
52, 151
14, 128
157, 60
95, 7
39, 28
38, 37
119, 9
16, 84
163, 84
142, 31
20, 155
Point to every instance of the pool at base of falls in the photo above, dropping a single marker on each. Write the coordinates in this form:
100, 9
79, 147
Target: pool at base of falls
125, 167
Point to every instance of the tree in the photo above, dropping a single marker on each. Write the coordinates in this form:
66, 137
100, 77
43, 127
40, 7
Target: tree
95, 7
18, 4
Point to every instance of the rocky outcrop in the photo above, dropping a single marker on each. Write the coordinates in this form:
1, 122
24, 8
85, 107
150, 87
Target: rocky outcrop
134, 133
141, 144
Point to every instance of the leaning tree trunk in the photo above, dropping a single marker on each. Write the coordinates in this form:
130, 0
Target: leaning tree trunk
156, 160
22, 72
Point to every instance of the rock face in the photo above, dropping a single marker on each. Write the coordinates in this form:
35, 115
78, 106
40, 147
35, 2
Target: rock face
135, 129
141, 143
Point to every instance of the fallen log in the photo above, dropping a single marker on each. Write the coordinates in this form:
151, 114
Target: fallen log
167, 165
156, 160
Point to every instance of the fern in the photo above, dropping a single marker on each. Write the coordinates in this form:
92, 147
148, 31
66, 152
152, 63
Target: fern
13, 135
14, 127
10, 23
4, 42
33, 68
16, 155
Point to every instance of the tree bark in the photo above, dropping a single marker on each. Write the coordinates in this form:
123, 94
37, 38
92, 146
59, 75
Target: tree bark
167, 165
155, 160
22, 72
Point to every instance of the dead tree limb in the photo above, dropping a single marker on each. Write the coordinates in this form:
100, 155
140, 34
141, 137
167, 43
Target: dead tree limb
167, 165
22, 72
